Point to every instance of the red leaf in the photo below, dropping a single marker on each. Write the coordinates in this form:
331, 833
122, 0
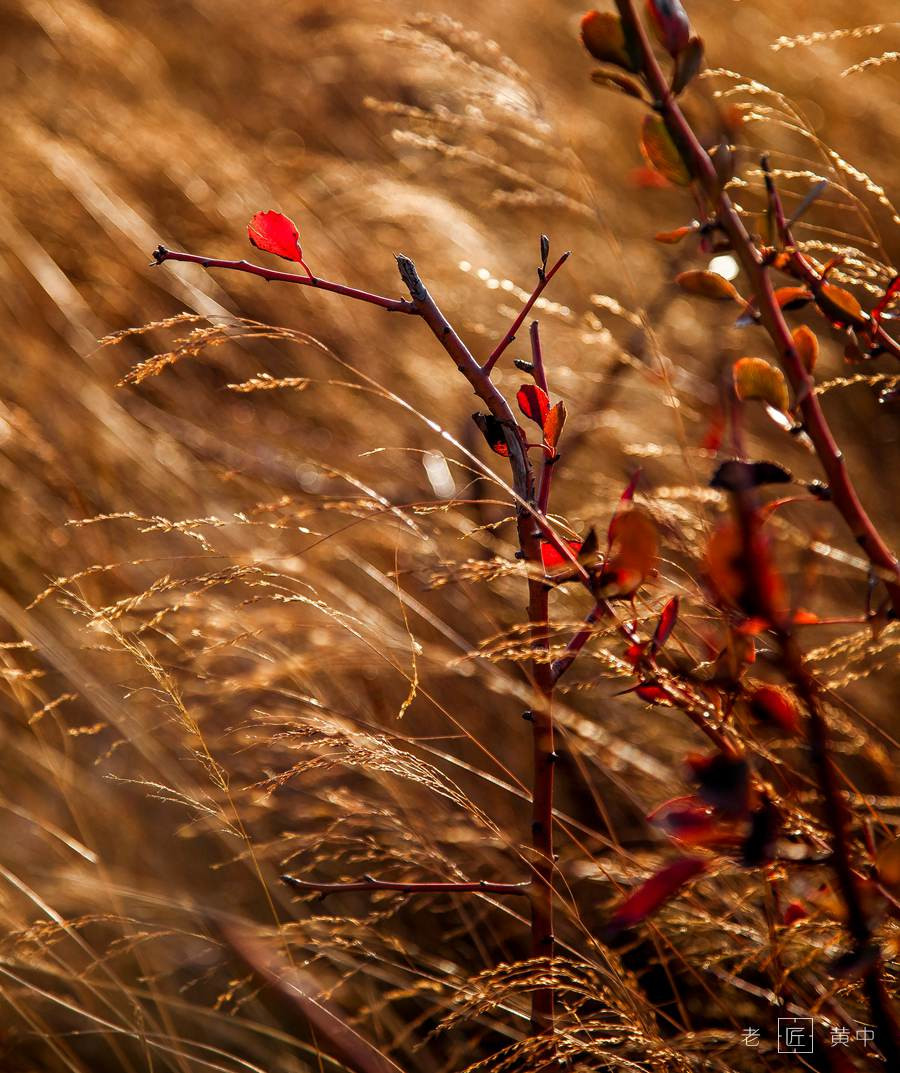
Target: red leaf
533, 403
666, 624
653, 894
793, 912
275, 233
885, 301
553, 425
671, 24
775, 707
651, 693
692, 823
633, 553
552, 558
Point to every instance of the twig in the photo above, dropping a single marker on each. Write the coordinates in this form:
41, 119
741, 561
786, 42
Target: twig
543, 279
394, 305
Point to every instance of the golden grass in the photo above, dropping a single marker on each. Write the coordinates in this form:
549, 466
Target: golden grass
249, 630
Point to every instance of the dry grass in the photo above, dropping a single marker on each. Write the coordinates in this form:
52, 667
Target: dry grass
261, 616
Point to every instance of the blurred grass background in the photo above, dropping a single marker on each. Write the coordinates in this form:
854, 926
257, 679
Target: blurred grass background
145, 710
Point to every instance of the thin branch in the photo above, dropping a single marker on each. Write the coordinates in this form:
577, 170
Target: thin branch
565, 661
700, 164
543, 279
394, 305
371, 884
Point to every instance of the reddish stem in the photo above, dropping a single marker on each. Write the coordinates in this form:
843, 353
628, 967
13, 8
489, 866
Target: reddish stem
543, 280
270, 275
700, 164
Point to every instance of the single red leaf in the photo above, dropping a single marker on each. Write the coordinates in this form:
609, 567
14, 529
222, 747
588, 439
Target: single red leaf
534, 403
666, 624
690, 822
651, 693
655, 892
275, 233
552, 558
633, 554
774, 706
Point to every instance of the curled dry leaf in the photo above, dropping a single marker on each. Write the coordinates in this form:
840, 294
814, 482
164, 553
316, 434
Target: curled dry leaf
654, 893
707, 285
670, 23
603, 36
275, 233
661, 152
807, 346
756, 378
727, 570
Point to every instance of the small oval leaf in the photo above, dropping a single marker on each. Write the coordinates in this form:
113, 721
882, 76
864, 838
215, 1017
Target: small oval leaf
603, 36
756, 378
707, 285
661, 152
807, 346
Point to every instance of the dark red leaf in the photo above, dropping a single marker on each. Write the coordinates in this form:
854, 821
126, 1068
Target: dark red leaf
654, 893
651, 693
793, 912
775, 707
533, 403
688, 821
670, 21
275, 233
492, 430
666, 624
